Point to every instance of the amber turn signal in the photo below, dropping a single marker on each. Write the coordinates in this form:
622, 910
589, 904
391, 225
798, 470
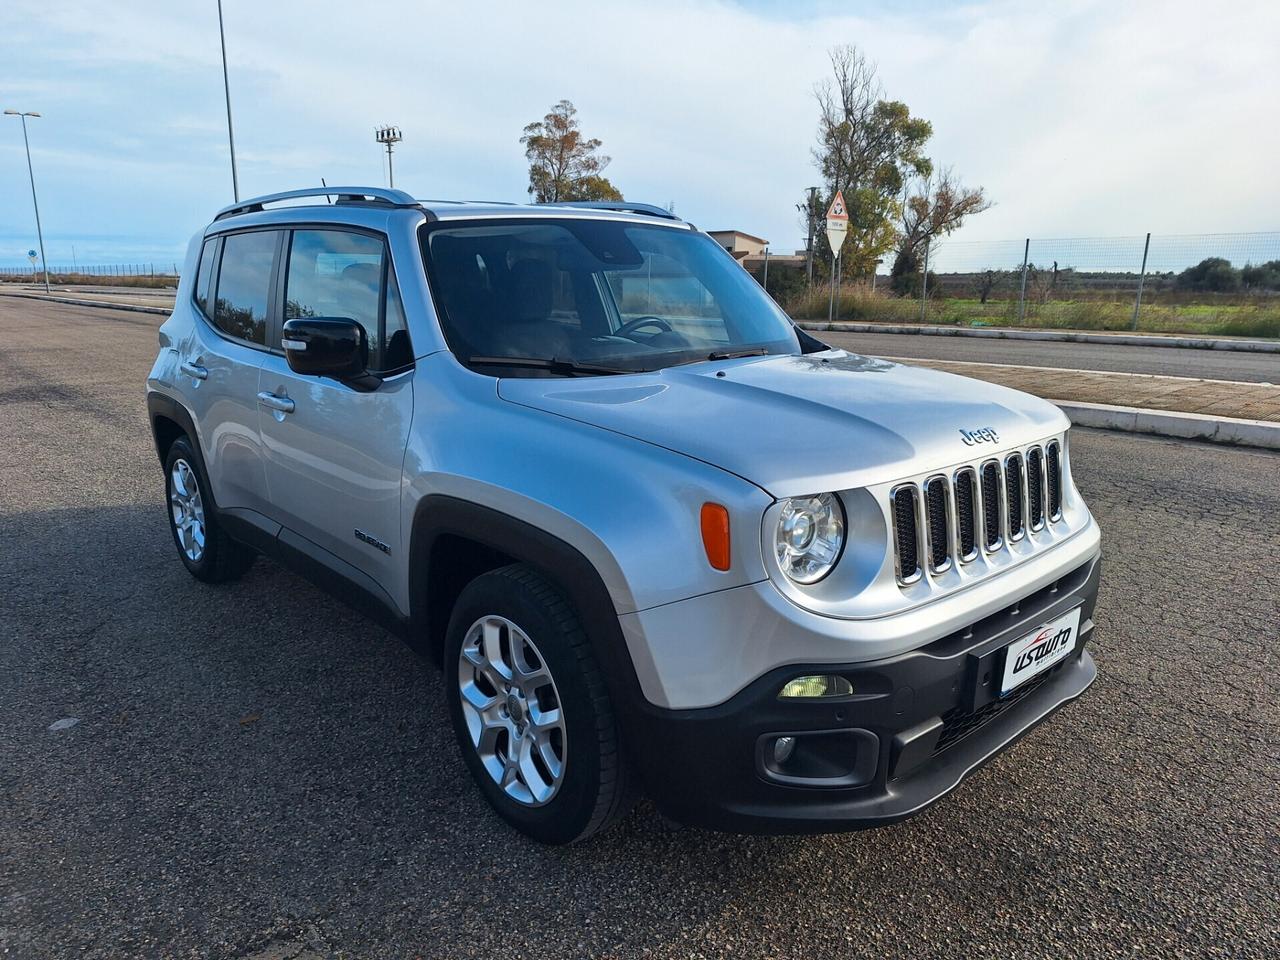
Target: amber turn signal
715, 535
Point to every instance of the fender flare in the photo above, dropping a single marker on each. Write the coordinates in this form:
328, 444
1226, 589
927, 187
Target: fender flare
439, 515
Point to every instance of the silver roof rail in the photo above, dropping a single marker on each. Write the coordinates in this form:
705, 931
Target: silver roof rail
396, 198
621, 206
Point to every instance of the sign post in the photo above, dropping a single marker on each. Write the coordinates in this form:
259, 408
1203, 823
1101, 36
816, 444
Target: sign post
31, 255
837, 227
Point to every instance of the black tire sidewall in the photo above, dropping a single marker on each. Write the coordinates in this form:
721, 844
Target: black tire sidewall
569, 812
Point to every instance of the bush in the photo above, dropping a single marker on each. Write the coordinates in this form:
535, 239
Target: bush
1212, 274
1265, 276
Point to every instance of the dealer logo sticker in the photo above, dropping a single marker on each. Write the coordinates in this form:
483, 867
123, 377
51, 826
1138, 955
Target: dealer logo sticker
1038, 651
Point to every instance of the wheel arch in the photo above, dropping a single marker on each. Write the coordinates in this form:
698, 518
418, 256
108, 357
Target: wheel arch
170, 420
454, 541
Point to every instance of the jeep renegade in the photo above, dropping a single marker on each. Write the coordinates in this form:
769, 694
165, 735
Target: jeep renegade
658, 538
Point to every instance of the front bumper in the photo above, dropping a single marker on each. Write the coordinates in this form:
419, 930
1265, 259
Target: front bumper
916, 725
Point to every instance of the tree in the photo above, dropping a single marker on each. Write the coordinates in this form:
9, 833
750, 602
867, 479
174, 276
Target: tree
1265, 276
563, 165
1212, 274
934, 208
867, 147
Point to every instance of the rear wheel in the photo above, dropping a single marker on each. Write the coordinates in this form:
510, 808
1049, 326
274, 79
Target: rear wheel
205, 548
530, 708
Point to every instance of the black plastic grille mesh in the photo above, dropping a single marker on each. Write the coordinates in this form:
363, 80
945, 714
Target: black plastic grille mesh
935, 500
904, 529
965, 531
1035, 496
1013, 493
1054, 475
958, 724
991, 502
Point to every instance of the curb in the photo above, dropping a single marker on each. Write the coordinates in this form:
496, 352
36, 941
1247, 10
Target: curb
1000, 333
1263, 434
135, 308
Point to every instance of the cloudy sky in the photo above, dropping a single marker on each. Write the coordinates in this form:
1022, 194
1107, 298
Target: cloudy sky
1079, 118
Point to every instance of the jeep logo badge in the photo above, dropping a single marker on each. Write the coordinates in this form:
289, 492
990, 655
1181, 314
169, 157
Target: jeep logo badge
981, 435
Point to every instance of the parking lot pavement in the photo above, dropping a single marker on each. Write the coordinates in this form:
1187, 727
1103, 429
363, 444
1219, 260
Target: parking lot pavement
255, 771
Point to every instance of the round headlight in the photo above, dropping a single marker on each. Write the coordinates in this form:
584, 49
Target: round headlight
810, 536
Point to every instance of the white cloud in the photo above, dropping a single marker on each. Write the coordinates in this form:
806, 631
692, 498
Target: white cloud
1080, 118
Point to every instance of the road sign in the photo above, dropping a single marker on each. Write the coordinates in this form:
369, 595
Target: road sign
837, 223
31, 255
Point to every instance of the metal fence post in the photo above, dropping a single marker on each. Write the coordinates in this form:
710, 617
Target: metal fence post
924, 283
1142, 275
766, 270
1022, 294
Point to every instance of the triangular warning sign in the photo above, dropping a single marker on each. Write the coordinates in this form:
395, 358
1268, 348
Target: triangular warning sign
837, 211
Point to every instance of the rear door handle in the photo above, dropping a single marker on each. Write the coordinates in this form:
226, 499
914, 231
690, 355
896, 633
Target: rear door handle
194, 370
268, 399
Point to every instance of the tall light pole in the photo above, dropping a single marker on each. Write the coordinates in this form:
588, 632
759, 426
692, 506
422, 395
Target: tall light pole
388, 135
34, 202
226, 89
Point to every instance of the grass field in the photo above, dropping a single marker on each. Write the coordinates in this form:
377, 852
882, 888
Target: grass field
1221, 319
156, 282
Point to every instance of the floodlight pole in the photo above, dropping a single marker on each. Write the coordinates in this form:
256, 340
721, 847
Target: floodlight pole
34, 202
226, 89
388, 135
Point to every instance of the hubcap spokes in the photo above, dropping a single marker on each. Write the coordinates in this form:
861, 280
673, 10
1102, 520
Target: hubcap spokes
512, 709
187, 510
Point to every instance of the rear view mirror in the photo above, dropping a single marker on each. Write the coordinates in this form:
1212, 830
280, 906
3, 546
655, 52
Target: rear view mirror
327, 347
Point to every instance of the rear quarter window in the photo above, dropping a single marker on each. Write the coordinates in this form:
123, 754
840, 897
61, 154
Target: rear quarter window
204, 275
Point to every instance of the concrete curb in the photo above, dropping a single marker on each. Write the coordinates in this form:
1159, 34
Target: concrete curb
135, 308
1071, 336
1164, 423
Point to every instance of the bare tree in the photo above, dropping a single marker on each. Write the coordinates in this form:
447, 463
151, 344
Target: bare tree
933, 207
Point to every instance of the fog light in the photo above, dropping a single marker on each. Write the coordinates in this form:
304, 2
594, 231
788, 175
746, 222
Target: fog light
783, 748
819, 686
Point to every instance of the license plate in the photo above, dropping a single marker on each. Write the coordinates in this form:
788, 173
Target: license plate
1039, 650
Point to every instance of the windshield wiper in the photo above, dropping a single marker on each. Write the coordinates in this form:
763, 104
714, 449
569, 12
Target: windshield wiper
738, 354
570, 367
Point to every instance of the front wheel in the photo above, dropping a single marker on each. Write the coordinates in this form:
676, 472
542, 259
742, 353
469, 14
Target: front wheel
530, 708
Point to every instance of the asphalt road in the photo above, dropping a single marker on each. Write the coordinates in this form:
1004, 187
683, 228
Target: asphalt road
1164, 361
256, 771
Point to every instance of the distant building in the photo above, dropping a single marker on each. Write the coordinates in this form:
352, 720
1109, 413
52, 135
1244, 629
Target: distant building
741, 245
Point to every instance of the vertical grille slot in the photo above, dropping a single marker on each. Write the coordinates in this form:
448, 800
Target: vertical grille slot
1013, 494
1053, 476
966, 516
939, 524
906, 533
1035, 488
991, 505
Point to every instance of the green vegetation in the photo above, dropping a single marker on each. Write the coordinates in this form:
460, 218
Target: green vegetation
1234, 319
157, 282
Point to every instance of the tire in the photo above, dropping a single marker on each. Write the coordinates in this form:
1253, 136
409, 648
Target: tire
519, 610
203, 546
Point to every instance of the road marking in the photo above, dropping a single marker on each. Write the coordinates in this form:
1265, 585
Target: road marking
1104, 373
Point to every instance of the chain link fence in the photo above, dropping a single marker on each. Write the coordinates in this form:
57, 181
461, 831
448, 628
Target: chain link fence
1226, 284
70, 271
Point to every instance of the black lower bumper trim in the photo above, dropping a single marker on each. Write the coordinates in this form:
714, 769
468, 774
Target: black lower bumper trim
921, 722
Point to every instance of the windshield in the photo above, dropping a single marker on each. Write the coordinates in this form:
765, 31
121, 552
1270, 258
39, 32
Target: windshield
595, 296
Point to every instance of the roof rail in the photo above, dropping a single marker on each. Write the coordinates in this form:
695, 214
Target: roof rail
396, 198
622, 206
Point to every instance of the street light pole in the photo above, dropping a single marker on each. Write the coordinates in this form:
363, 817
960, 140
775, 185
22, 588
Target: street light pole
226, 89
34, 202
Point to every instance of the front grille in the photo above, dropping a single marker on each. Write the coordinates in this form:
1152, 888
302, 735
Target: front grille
1054, 477
1035, 490
966, 517
935, 501
959, 723
991, 504
1013, 493
976, 511
906, 537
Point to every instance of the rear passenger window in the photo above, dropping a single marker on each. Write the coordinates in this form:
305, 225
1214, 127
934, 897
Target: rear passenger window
335, 273
204, 275
244, 282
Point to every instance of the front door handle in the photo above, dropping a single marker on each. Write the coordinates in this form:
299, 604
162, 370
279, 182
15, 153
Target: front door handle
268, 399
194, 370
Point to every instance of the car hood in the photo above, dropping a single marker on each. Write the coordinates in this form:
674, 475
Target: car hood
801, 424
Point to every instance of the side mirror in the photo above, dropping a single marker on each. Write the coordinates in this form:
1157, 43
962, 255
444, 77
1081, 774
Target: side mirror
327, 347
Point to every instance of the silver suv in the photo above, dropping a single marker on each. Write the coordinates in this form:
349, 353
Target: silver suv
659, 539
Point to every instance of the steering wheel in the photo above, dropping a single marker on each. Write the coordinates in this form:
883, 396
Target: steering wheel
631, 326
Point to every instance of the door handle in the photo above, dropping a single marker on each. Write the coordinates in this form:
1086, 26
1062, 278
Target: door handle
194, 370
283, 404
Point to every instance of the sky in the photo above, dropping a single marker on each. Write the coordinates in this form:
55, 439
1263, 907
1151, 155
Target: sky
1080, 119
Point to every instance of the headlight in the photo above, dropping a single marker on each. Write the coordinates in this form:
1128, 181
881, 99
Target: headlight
810, 536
